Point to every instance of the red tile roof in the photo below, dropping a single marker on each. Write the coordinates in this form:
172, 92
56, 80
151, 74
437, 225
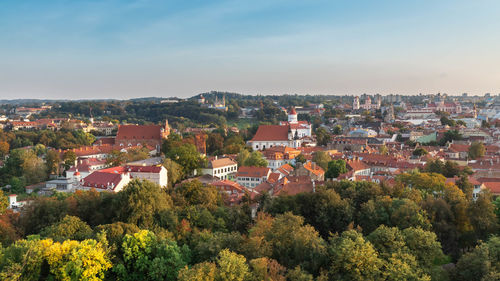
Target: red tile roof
143, 169
102, 179
493, 187
271, 133
137, 132
253, 172
356, 165
293, 185
263, 187
273, 177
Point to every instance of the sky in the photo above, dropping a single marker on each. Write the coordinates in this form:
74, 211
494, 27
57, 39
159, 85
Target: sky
71, 49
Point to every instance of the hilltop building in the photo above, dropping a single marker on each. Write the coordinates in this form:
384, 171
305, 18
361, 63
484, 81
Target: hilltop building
291, 133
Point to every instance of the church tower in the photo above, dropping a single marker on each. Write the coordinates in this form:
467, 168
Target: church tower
292, 116
355, 103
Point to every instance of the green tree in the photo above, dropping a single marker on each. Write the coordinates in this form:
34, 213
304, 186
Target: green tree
205, 271
4, 148
450, 169
242, 157
387, 240
481, 213
297, 274
147, 257
215, 143
195, 193
449, 136
206, 245
116, 158
140, 201
234, 145
476, 150
402, 213
335, 168
256, 159
337, 130
69, 158
353, 258
52, 161
290, 242
403, 266
232, 267
4, 202
424, 246
174, 170
69, 228
45, 260
322, 158
322, 136
325, 210
383, 150
265, 269
482, 263
300, 159
419, 151
187, 156
425, 182
33, 167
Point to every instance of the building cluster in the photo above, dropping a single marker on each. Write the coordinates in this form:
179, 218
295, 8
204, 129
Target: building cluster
376, 141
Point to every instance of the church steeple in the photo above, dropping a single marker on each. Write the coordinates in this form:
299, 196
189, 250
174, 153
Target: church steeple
292, 116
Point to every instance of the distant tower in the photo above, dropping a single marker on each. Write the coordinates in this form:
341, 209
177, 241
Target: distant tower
355, 103
91, 119
389, 117
379, 102
368, 101
166, 130
224, 100
201, 99
292, 116
474, 111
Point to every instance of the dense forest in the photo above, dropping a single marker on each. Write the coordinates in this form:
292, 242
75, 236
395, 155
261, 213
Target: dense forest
343, 231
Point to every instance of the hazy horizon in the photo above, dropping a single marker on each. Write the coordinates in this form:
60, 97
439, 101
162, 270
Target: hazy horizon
122, 49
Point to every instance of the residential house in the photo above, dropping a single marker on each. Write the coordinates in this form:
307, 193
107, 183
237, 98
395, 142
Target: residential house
251, 177
223, 168
311, 170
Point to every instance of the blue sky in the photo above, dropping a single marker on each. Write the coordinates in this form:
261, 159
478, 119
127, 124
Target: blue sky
125, 48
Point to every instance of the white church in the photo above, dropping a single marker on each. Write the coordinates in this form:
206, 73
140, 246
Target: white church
291, 133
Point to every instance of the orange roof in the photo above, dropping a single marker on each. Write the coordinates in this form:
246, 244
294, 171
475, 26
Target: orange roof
271, 133
285, 169
273, 177
221, 162
292, 111
315, 169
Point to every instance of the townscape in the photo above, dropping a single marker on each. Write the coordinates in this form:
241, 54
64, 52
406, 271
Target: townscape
224, 186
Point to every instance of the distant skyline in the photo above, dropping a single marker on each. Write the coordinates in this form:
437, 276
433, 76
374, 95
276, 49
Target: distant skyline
120, 49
